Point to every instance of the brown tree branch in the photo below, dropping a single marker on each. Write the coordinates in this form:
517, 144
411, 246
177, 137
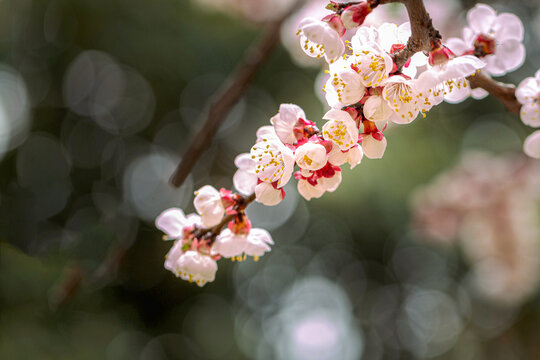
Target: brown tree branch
227, 96
505, 93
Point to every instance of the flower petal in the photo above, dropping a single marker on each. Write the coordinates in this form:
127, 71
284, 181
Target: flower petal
171, 222
531, 146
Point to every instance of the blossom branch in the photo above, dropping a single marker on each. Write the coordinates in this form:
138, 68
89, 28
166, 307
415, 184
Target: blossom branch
226, 97
216, 229
505, 93
424, 36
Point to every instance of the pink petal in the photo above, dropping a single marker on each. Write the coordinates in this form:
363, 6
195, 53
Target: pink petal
531, 147
508, 26
481, 17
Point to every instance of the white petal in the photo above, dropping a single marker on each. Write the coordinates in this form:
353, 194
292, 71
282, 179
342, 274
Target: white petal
372, 148
245, 182
377, 109
267, 195
354, 156
208, 204
331, 184
458, 46
481, 17
171, 222
258, 242
245, 162
172, 256
511, 53
228, 244
311, 156
479, 93
309, 191
508, 26
527, 90
531, 147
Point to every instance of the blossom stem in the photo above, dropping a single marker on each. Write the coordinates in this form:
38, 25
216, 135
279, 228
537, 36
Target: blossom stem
216, 229
505, 93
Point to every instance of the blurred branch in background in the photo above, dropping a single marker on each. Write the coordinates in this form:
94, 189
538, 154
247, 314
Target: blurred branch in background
228, 95
505, 93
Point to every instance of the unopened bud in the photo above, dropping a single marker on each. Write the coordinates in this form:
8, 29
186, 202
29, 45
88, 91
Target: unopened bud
440, 55
354, 15
335, 23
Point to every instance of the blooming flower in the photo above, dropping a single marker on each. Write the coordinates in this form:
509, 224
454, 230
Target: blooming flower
286, 120
197, 267
528, 94
209, 205
318, 39
497, 38
274, 161
340, 129
353, 156
372, 63
311, 156
400, 94
345, 86
444, 68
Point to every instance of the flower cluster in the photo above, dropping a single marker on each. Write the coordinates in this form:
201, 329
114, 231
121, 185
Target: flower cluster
495, 38
365, 82
199, 240
366, 89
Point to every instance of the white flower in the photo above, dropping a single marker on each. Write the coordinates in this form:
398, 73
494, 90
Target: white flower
318, 39
310, 156
258, 242
528, 94
402, 98
285, 121
340, 129
344, 87
353, 156
244, 178
172, 256
376, 108
208, 204
229, 244
266, 194
173, 222
274, 161
372, 63
391, 34
373, 148
497, 38
194, 266
531, 146
452, 69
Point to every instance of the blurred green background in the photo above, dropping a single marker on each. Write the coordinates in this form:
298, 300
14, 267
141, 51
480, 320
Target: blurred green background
98, 100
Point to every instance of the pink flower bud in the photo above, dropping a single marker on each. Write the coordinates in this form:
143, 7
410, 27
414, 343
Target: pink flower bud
354, 15
440, 55
335, 23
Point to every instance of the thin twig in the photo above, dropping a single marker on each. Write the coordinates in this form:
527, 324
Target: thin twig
227, 96
505, 93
